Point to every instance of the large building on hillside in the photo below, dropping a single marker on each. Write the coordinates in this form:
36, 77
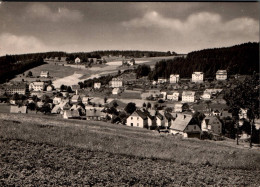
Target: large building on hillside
117, 82
174, 78
211, 124
36, 86
12, 89
197, 77
188, 96
44, 74
221, 75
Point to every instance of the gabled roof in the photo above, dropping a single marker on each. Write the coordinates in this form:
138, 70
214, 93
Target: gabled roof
75, 97
55, 109
210, 120
160, 116
38, 83
141, 114
181, 122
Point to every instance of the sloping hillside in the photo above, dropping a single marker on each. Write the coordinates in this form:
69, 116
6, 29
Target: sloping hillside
52, 151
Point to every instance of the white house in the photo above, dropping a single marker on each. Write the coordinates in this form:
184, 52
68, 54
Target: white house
77, 60
160, 119
161, 80
44, 74
173, 96
56, 100
188, 96
178, 107
97, 85
70, 114
117, 82
85, 100
174, 78
137, 119
116, 91
18, 109
211, 124
197, 77
164, 94
221, 75
242, 113
36, 86
49, 88
206, 96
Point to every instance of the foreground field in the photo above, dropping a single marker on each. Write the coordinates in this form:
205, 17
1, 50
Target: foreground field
49, 151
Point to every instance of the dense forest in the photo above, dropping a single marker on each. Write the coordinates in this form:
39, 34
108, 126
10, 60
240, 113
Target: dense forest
11, 66
238, 59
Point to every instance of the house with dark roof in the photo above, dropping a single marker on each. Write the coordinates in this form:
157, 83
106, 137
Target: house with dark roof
94, 114
151, 118
137, 119
185, 125
211, 124
160, 119
76, 99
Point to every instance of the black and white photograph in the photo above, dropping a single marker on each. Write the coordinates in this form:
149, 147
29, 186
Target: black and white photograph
129, 93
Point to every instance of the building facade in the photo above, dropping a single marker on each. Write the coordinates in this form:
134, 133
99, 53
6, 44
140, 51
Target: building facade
198, 77
174, 78
221, 75
188, 96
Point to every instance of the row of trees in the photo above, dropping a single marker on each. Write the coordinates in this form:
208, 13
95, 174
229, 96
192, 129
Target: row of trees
239, 59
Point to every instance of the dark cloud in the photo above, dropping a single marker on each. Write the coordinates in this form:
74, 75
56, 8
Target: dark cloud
177, 26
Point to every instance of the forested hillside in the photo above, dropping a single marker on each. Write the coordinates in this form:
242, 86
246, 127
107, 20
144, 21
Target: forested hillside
238, 59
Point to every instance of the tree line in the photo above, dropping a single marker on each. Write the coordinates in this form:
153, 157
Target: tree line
238, 59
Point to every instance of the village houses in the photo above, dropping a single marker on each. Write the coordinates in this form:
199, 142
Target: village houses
188, 96
174, 78
197, 77
12, 89
178, 107
221, 75
76, 99
162, 80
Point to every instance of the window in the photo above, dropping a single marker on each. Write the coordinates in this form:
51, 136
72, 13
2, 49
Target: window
194, 127
137, 124
131, 117
137, 118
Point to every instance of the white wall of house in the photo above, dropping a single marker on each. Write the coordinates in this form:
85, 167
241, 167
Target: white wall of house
174, 78
136, 121
197, 77
188, 98
214, 127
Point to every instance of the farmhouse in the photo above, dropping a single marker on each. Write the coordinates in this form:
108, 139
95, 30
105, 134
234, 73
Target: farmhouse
221, 75
36, 86
44, 74
117, 82
197, 77
79, 108
160, 119
77, 60
137, 119
188, 96
211, 124
97, 85
151, 118
17, 109
174, 78
185, 126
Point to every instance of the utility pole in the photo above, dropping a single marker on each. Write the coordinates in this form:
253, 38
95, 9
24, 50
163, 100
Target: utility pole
237, 132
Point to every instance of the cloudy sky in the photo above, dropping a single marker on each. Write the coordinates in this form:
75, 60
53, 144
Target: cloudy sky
162, 26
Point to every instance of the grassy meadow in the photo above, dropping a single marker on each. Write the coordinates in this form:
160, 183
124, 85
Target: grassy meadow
89, 152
